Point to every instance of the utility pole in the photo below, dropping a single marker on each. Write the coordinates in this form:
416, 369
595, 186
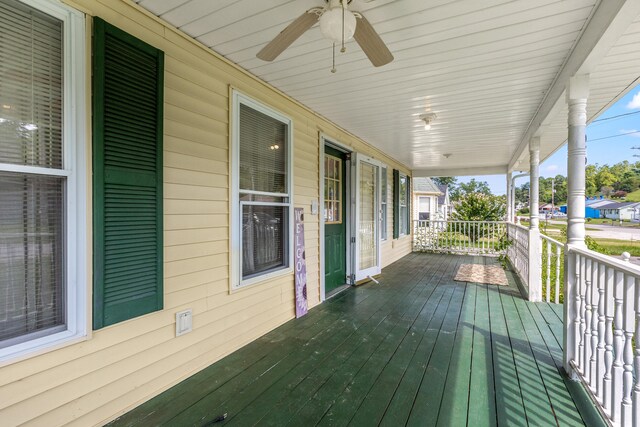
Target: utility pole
553, 193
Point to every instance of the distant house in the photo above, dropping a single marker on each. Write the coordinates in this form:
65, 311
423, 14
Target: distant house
620, 210
428, 198
444, 203
547, 207
591, 206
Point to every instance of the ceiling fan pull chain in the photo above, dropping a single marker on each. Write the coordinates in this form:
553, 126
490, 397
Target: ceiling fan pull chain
333, 51
343, 49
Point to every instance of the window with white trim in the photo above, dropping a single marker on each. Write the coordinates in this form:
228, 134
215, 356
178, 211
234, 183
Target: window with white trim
424, 208
262, 190
42, 217
404, 205
383, 204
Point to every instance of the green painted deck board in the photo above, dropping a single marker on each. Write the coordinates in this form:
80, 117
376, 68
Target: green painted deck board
417, 349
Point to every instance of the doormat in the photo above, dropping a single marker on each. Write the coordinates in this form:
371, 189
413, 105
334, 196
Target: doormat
479, 273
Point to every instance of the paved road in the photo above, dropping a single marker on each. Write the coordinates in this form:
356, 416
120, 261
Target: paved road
609, 231
629, 234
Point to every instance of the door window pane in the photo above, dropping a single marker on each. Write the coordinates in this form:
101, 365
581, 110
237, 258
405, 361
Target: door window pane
333, 190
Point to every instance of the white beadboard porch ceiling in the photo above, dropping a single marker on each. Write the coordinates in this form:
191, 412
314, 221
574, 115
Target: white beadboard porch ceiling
483, 67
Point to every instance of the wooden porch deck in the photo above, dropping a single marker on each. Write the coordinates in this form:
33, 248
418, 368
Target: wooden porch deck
417, 349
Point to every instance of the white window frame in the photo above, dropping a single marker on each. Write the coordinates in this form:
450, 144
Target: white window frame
405, 231
429, 202
384, 201
237, 282
74, 169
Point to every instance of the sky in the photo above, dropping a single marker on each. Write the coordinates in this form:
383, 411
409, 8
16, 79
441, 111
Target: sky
602, 152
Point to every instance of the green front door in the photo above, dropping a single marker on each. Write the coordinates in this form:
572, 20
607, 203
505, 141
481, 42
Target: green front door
335, 228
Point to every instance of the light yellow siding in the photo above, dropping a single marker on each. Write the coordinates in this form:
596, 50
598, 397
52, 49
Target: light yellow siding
121, 366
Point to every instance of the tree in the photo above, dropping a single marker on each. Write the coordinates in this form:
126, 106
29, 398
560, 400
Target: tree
605, 178
470, 187
590, 180
479, 207
450, 181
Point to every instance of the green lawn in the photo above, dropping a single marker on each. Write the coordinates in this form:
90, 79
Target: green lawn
633, 196
606, 221
616, 247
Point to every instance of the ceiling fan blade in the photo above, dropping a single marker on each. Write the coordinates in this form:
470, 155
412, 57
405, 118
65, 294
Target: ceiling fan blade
289, 35
371, 43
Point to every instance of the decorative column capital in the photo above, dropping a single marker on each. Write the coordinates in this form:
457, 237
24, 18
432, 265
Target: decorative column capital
577, 112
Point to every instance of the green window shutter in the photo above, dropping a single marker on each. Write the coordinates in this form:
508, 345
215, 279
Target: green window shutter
409, 212
396, 203
127, 176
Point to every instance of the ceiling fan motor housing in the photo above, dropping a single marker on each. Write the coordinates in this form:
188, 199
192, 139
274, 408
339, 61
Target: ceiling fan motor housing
331, 22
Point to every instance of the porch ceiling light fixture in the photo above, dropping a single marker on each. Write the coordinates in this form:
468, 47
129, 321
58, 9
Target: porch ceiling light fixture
428, 119
338, 23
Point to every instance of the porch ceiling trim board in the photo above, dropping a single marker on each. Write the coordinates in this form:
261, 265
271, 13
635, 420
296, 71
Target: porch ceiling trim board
607, 24
451, 57
489, 170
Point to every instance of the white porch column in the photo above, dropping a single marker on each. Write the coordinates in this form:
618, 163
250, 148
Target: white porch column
535, 256
510, 203
577, 94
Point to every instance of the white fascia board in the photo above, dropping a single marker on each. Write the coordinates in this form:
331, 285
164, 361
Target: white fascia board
608, 22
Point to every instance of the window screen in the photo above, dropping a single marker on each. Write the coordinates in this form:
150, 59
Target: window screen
383, 205
404, 223
263, 192
32, 204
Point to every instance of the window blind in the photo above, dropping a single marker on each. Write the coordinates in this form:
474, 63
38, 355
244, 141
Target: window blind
30, 86
32, 212
263, 192
263, 149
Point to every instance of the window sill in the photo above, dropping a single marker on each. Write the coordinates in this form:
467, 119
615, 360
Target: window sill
39, 346
259, 280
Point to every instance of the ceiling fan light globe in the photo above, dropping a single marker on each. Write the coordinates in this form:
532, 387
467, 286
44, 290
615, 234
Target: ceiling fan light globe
331, 24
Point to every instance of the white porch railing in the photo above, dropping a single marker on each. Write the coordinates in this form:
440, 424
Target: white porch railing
552, 274
602, 317
460, 237
518, 250
602, 308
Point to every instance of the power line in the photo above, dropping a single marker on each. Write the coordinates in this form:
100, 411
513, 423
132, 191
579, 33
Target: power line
615, 117
614, 136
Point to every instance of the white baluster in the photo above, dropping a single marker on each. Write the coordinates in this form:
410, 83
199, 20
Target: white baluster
593, 378
618, 348
601, 333
548, 281
608, 346
636, 385
558, 260
627, 376
586, 338
577, 333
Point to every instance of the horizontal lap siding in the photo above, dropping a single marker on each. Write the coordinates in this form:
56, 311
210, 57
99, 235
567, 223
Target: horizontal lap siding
125, 364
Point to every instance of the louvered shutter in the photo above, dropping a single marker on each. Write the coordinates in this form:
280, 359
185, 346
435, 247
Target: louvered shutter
127, 168
396, 203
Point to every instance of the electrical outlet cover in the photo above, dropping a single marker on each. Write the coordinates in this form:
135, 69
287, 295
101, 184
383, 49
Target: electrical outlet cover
184, 322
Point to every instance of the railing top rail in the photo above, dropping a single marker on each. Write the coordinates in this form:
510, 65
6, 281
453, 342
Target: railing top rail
522, 227
551, 240
608, 260
458, 221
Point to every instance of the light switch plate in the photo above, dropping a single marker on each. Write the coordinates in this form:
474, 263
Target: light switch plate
314, 207
184, 323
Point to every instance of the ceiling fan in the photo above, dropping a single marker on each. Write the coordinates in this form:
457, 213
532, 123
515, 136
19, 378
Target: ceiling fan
338, 24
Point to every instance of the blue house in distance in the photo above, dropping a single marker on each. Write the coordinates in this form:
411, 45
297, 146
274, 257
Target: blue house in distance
591, 205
